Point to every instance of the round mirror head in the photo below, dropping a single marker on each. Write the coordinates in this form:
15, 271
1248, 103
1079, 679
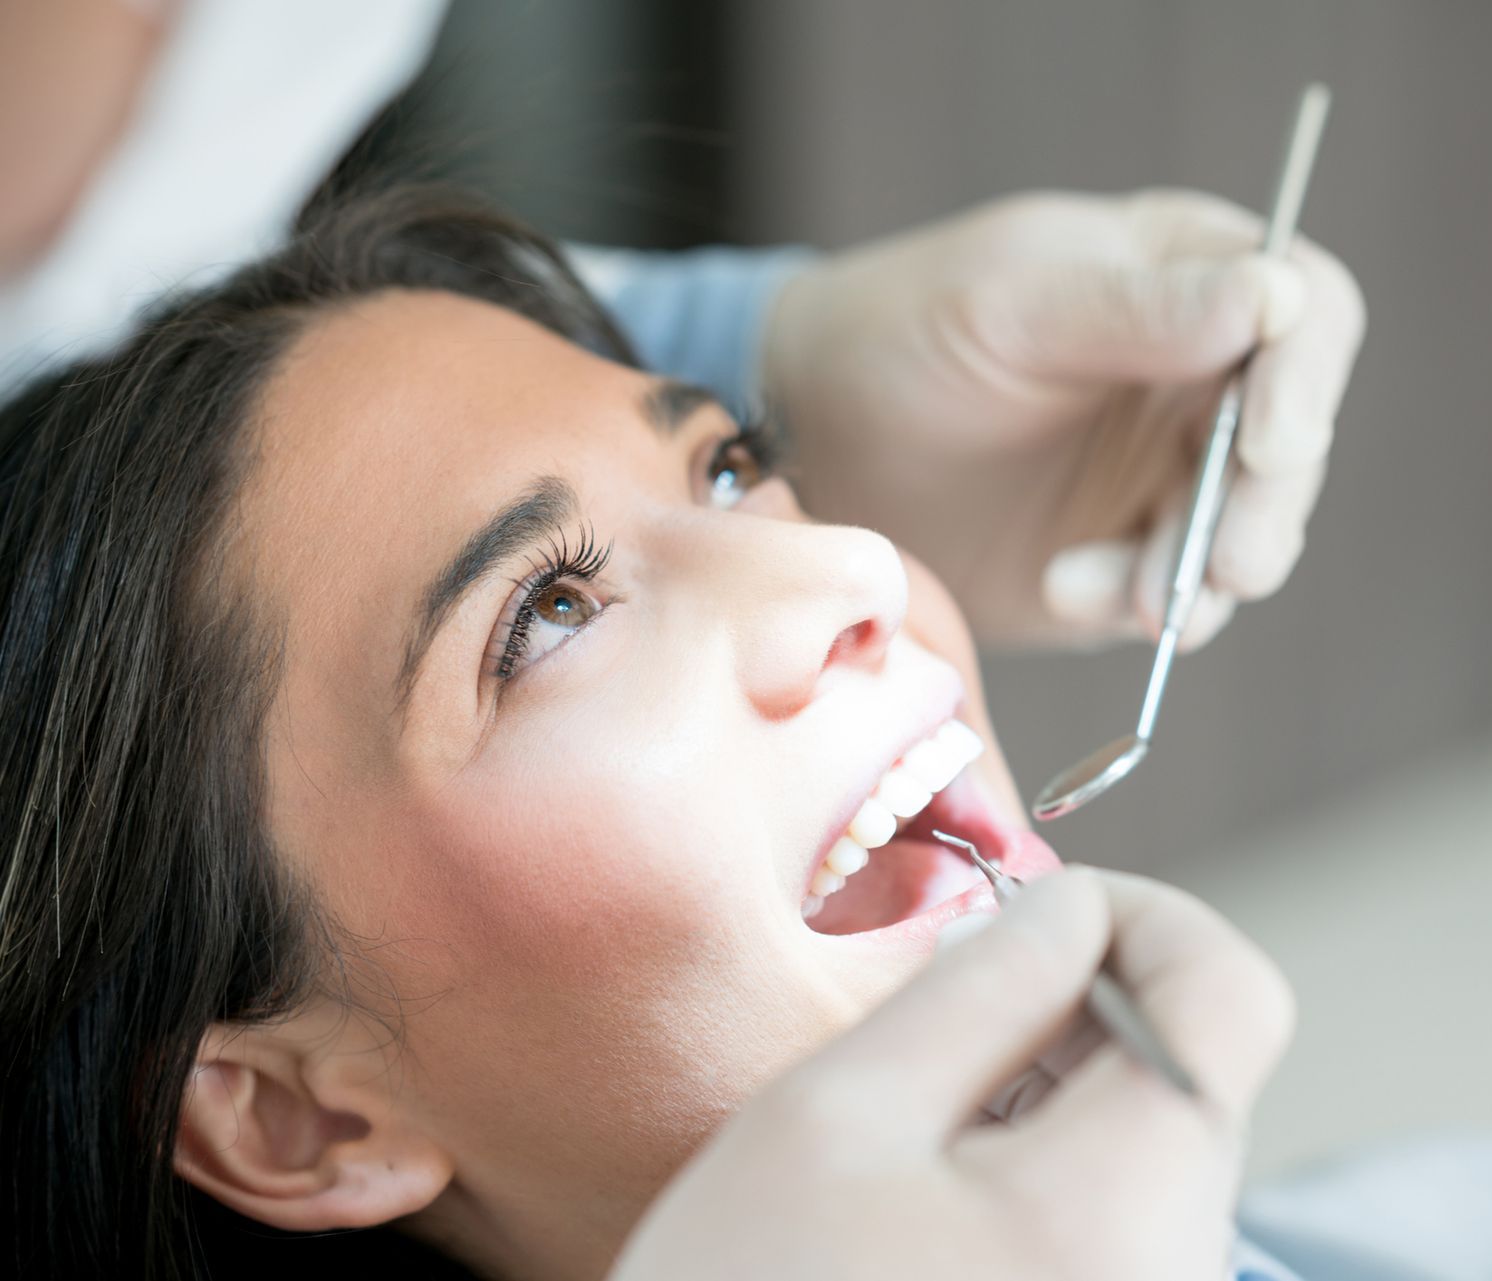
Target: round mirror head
1090, 777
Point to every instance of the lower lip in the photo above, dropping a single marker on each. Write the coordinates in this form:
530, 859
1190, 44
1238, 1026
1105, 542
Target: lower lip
923, 929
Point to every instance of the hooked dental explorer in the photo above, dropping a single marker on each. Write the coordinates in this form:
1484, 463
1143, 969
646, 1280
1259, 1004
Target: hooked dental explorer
1110, 1005
1095, 774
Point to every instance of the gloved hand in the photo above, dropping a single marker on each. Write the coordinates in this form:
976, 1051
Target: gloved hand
865, 1162
1018, 395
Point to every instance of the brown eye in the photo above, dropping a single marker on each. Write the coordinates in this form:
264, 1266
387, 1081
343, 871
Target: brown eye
733, 470
564, 606
549, 617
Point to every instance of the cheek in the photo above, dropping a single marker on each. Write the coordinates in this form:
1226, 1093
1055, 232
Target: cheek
558, 900
601, 838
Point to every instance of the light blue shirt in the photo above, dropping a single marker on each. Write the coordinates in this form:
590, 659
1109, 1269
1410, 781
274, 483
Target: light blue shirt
697, 315
1404, 1211
1252, 1264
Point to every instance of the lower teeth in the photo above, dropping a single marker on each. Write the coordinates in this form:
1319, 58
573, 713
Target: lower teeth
905, 878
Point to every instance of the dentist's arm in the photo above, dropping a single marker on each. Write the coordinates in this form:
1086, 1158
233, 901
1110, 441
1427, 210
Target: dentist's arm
862, 1162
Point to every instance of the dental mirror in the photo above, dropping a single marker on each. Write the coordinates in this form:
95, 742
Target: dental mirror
1093, 776
1090, 777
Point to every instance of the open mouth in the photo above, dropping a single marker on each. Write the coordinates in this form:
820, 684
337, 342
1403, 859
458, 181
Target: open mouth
911, 874
877, 874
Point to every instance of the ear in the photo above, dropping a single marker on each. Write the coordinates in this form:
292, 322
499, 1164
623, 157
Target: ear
299, 1125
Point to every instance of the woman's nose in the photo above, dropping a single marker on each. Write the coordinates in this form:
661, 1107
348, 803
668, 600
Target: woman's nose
826, 602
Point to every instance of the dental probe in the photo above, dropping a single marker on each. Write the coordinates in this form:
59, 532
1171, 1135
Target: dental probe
1095, 774
1110, 1005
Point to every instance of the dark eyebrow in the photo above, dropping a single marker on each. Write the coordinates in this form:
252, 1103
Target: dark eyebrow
541, 510
667, 404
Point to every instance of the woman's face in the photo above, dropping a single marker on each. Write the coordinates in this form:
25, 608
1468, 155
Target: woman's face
573, 820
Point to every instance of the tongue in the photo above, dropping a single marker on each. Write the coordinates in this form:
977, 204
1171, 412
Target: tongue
903, 878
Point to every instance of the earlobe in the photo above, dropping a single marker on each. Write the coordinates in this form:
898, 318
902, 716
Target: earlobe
294, 1142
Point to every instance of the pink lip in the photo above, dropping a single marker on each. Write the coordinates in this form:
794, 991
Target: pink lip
944, 707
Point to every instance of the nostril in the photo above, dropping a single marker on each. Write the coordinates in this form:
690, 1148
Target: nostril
850, 642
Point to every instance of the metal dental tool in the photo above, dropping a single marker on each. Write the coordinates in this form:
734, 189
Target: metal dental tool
1108, 1002
1094, 775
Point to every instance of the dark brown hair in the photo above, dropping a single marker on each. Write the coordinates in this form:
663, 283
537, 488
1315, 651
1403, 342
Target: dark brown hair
140, 898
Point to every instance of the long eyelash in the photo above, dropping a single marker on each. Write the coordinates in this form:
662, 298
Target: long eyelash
584, 563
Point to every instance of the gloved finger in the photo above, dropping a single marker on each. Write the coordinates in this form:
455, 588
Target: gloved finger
1213, 608
1262, 531
974, 1018
1072, 1047
1296, 382
1148, 321
1300, 373
1220, 1006
1180, 222
1021, 1095
1108, 591
1089, 589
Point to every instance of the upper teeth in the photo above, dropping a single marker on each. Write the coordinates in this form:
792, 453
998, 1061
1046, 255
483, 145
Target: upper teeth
904, 790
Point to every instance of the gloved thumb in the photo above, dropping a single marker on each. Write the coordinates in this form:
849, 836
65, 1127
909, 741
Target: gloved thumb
1187, 318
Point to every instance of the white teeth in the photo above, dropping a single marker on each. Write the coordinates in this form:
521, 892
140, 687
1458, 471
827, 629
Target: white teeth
903, 794
962, 741
873, 824
932, 764
825, 882
905, 789
846, 857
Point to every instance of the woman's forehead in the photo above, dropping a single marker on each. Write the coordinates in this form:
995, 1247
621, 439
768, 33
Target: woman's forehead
402, 370
394, 426
402, 411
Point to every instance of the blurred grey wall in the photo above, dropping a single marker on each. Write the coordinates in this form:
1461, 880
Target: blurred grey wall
591, 119
668, 122
860, 116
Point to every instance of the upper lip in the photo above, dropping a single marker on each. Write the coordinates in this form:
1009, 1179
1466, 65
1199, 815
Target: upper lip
944, 706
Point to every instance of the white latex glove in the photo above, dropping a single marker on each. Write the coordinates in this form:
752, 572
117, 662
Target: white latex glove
863, 1162
1019, 394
